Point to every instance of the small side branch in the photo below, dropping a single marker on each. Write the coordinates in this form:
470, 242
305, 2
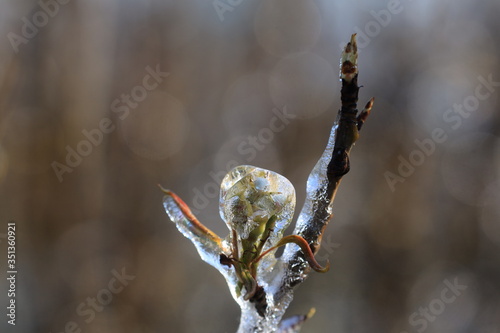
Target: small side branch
209, 245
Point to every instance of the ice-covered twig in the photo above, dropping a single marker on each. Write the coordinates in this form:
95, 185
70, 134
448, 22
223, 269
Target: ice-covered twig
189, 225
257, 206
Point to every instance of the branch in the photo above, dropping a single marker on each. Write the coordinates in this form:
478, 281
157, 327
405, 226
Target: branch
257, 206
325, 178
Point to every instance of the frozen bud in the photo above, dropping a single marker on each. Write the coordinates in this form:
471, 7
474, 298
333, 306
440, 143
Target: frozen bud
250, 196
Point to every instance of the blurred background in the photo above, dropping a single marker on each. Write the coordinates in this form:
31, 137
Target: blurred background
102, 100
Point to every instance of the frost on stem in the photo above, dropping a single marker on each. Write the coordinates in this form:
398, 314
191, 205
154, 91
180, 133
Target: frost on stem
258, 205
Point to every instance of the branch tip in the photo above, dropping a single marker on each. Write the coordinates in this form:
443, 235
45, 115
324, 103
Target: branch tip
164, 190
311, 313
349, 60
365, 113
195, 226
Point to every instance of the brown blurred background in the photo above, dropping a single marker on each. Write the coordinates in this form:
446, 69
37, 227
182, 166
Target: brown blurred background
69, 67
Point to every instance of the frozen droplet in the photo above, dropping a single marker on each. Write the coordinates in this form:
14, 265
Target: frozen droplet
250, 196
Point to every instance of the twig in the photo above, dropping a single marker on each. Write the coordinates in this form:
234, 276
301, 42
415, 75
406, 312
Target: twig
251, 210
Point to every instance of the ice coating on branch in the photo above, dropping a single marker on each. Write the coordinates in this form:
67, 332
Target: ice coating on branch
251, 322
250, 196
208, 249
317, 183
294, 268
208, 245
